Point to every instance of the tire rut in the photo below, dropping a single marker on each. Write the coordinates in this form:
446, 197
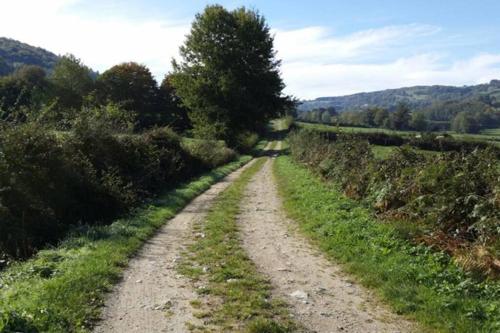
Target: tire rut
321, 297
152, 296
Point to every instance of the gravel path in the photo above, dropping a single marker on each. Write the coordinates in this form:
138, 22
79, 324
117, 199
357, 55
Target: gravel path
152, 296
321, 297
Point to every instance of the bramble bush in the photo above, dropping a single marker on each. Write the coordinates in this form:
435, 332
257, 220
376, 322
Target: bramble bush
50, 182
455, 195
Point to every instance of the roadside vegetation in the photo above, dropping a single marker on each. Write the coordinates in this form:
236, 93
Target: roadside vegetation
449, 201
243, 299
62, 289
416, 280
52, 185
78, 148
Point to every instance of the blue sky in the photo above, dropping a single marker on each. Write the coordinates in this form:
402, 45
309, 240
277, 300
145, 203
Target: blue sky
328, 47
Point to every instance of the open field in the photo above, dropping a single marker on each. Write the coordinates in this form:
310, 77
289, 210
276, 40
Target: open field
490, 135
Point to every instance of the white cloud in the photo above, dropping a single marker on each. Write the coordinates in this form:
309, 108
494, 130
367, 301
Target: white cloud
317, 44
311, 80
316, 62
100, 43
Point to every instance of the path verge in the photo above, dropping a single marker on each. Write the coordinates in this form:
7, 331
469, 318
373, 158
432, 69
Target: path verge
62, 289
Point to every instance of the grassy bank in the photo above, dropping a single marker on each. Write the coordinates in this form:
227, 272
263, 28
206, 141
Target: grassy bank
414, 280
61, 290
245, 296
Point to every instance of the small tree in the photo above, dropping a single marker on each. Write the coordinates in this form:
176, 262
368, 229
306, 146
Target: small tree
400, 119
380, 117
464, 123
418, 121
72, 81
326, 118
133, 87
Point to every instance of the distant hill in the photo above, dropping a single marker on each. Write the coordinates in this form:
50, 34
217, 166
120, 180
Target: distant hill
14, 54
417, 97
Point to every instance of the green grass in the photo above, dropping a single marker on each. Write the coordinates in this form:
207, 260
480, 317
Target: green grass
348, 129
489, 135
231, 277
420, 283
383, 152
62, 289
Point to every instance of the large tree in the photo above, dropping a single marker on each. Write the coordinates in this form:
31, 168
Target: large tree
229, 77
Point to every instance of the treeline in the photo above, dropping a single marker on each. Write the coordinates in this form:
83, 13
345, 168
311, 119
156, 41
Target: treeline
425, 141
79, 148
29, 94
460, 116
449, 201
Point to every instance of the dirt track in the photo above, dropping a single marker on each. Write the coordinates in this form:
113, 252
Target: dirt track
153, 297
321, 297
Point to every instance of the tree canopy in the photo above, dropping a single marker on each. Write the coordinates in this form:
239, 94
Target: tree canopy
133, 87
229, 77
72, 81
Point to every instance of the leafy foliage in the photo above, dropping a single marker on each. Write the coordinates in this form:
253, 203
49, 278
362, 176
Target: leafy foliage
88, 176
133, 87
455, 195
72, 81
229, 78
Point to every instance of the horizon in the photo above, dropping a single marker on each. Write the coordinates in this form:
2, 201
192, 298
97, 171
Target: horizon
328, 49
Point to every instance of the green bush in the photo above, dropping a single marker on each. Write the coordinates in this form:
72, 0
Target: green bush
245, 141
50, 183
456, 195
211, 153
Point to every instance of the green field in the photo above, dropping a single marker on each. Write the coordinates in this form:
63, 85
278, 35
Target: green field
489, 135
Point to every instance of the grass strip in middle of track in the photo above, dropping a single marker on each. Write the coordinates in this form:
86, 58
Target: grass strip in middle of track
218, 258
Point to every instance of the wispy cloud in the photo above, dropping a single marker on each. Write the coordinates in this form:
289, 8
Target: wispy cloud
319, 45
317, 63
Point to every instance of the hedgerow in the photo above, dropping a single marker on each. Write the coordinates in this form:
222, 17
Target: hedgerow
50, 182
449, 200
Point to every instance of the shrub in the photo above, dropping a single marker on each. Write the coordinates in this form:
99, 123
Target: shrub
456, 195
50, 183
211, 153
245, 141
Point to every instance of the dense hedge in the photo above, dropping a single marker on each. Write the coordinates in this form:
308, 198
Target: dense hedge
427, 141
49, 182
456, 196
